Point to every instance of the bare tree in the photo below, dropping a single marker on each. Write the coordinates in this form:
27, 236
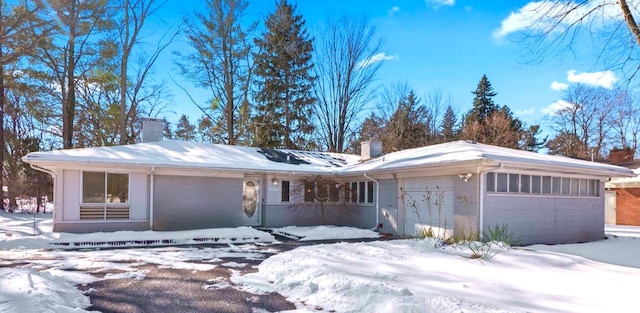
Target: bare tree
346, 65
135, 13
549, 27
221, 63
588, 118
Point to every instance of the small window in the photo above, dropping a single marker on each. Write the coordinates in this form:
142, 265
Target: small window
546, 185
525, 183
322, 191
354, 192
502, 182
370, 192
575, 186
334, 192
361, 192
594, 188
309, 191
536, 183
285, 191
566, 186
491, 182
514, 183
93, 190
555, 186
584, 187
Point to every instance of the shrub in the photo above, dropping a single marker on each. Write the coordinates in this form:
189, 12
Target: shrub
481, 251
501, 234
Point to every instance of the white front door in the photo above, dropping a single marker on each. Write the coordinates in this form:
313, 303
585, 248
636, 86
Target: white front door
251, 202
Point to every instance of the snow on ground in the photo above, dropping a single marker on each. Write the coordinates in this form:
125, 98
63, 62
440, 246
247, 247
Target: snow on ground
418, 276
379, 276
308, 233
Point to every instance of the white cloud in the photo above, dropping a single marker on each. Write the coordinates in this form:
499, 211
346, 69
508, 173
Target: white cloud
375, 59
558, 86
525, 112
439, 3
555, 107
535, 16
604, 79
394, 10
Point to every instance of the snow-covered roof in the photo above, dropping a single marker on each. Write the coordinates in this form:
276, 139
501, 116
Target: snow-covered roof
459, 152
184, 154
180, 154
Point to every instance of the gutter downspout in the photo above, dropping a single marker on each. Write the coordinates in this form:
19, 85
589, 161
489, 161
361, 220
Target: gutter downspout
151, 186
481, 189
377, 200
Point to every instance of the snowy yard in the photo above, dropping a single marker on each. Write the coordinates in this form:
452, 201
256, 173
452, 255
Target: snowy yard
378, 276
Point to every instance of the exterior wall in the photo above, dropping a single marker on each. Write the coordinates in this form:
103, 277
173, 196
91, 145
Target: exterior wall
610, 207
389, 208
628, 206
466, 206
68, 200
192, 202
299, 213
547, 219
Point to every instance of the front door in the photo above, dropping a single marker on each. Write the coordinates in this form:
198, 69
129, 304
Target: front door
251, 202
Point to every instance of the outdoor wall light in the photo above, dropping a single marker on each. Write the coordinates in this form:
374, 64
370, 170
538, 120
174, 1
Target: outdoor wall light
274, 181
465, 177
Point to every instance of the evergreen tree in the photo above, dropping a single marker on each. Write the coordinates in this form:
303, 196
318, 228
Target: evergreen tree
408, 126
284, 82
184, 129
483, 104
448, 125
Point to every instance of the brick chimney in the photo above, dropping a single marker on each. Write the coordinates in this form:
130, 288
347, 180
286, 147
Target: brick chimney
152, 129
370, 149
621, 156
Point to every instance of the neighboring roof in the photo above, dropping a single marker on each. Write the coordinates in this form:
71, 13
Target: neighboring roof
181, 154
466, 151
633, 181
185, 154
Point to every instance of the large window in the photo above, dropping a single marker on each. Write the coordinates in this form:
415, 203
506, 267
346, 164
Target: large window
104, 196
541, 185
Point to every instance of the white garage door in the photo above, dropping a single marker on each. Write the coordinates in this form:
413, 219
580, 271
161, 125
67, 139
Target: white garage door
429, 203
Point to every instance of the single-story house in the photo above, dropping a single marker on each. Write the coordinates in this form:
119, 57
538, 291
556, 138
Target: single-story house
456, 187
623, 195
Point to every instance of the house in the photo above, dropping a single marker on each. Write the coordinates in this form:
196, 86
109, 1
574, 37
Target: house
453, 187
623, 193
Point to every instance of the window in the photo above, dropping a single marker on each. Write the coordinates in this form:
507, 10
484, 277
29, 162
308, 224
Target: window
104, 196
491, 182
536, 184
502, 182
525, 184
514, 183
369, 192
334, 192
286, 187
541, 185
354, 192
309, 191
566, 185
555, 185
323, 191
546, 185
361, 192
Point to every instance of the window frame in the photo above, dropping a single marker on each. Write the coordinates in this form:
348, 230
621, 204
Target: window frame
530, 184
109, 210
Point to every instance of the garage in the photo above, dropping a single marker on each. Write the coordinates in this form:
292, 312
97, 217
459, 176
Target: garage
429, 202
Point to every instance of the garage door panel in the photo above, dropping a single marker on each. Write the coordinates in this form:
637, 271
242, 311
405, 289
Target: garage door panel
429, 203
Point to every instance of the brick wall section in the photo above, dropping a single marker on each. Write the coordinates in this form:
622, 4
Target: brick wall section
628, 206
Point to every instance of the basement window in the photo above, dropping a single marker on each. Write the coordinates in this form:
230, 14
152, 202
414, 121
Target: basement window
104, 196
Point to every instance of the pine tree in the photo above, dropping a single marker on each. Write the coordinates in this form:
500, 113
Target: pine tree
483, 104
408, 126
284, 82
184, 129
448, 125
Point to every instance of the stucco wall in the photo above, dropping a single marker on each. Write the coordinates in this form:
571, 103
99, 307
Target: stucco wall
547, 219
188, 202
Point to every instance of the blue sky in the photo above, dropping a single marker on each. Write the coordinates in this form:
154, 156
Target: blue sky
435, 45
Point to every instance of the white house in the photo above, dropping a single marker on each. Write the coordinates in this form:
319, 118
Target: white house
454, 187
